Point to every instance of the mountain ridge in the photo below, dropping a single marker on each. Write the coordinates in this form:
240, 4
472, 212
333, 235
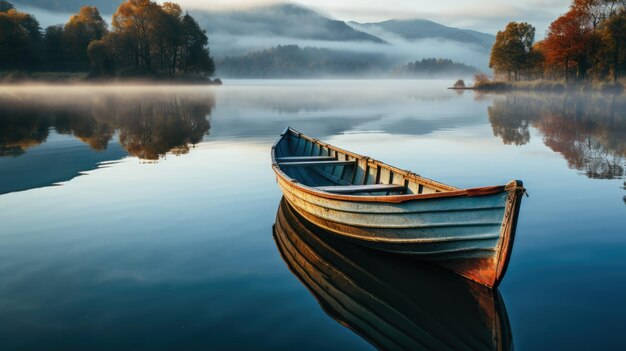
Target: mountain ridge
418, 28
282, 20
289, 20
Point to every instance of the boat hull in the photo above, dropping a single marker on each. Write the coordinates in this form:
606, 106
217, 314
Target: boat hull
469, 235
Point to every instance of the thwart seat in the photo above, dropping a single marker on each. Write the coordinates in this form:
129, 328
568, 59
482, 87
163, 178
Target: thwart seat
317, 163
305, 159
353, 189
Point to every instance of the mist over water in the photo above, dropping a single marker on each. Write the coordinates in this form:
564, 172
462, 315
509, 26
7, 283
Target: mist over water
396, 52
158, 233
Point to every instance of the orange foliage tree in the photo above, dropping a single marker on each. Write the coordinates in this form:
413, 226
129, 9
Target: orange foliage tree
587, 42
135, 19
82, 28
568, 43
148, 38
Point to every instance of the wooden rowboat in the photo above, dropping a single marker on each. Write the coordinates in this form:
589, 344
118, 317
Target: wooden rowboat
469, 231
391, 301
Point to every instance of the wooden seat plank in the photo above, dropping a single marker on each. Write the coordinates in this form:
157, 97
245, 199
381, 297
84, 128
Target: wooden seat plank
304, 158
369, 188
316, 163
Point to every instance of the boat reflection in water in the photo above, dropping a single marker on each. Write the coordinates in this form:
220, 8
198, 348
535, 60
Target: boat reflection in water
395, 303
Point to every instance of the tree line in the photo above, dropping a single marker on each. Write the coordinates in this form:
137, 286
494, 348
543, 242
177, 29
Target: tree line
586, 43
145, 39
295, 61
432, 67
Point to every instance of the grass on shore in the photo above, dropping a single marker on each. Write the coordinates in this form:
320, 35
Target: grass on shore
550, 86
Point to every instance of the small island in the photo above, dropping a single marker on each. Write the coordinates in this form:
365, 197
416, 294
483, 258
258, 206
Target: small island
583, 50
146, 42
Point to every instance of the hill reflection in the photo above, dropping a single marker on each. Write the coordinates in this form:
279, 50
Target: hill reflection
148, 126
588, 130
392, 302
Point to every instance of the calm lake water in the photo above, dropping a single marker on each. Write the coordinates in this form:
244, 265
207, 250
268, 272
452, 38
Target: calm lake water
142, 217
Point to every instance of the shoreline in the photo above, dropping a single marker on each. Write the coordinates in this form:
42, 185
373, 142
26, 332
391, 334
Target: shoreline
134, 82
82, 78
546, 86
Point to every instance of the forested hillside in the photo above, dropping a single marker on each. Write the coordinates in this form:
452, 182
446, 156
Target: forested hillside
294, 61
431, 68
286, 21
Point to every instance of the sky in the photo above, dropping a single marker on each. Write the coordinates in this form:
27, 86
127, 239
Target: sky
483, 15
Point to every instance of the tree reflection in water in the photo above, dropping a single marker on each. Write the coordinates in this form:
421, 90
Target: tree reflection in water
149, 126
20, 131
588, 130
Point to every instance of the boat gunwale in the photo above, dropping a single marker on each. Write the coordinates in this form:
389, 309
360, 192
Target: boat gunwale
445, 190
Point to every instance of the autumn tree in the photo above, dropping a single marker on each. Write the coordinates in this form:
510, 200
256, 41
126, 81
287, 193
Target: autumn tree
20, 39
568, 43
586, 42
512, 53
614, 36
135, 21
597, 11
83, 28
102, 63
148, 38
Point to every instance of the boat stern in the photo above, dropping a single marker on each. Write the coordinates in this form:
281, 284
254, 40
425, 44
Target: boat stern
490, 271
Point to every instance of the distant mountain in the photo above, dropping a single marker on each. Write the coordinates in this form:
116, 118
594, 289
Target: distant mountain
417, 29
286, 21
263, 37
71, 6
292, 21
